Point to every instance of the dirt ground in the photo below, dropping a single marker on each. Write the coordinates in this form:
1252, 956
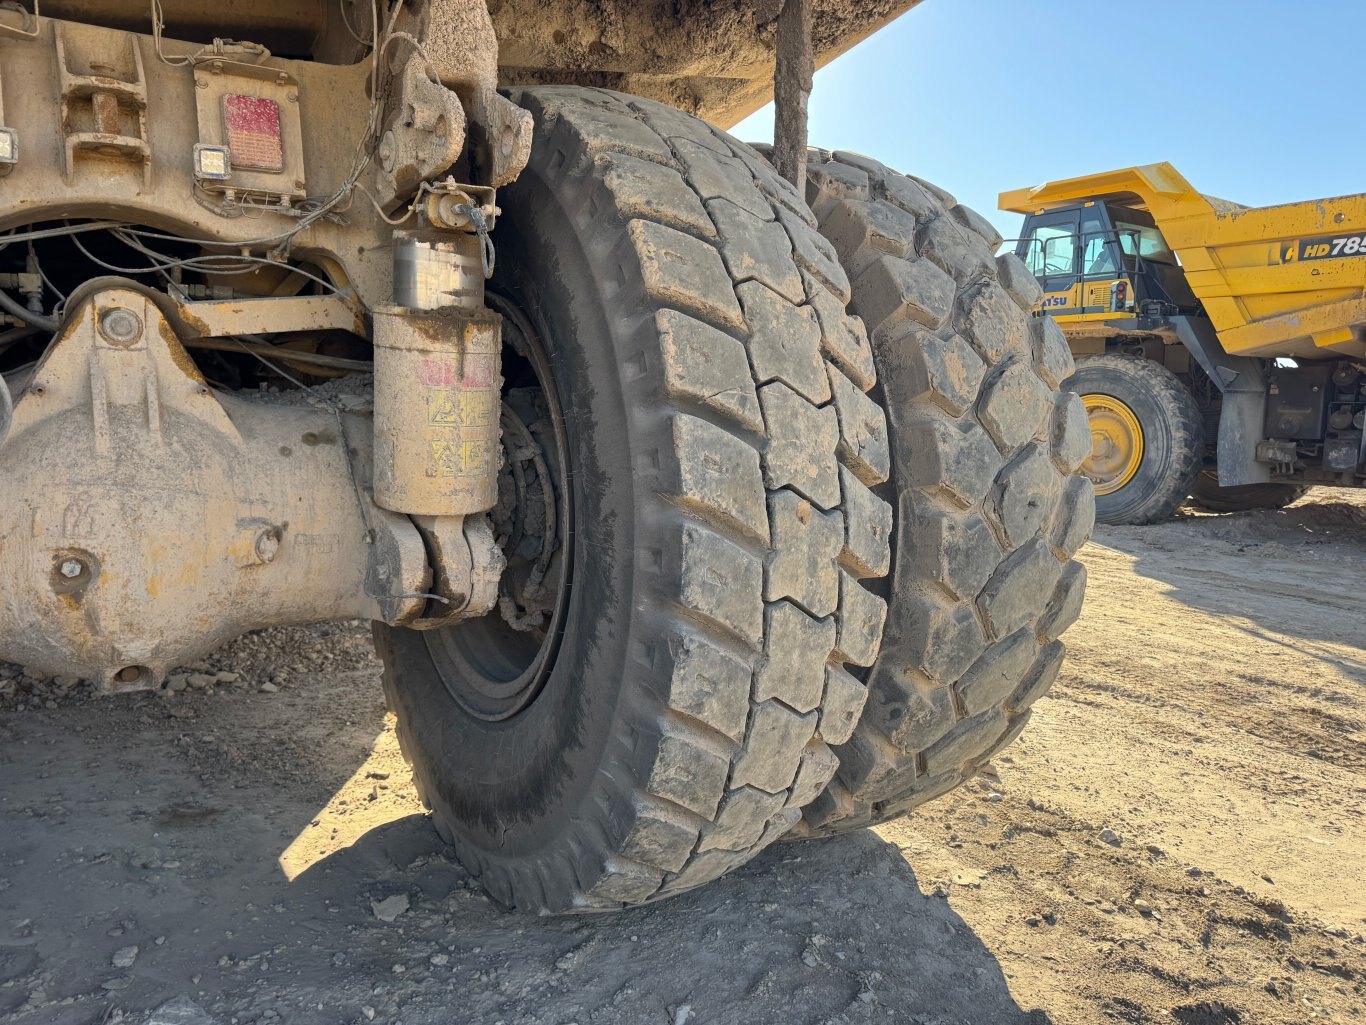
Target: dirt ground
1178, 836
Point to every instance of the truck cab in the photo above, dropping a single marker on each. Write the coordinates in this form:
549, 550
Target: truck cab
1103, 265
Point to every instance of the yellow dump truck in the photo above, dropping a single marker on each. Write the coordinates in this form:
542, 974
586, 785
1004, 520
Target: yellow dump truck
1221, 349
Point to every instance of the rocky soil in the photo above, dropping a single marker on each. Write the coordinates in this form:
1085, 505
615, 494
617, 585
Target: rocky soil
1179, 836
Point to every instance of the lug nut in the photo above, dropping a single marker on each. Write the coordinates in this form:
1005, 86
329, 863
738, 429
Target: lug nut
71, 568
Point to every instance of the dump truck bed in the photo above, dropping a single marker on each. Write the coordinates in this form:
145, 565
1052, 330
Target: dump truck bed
712, 59
1286, 280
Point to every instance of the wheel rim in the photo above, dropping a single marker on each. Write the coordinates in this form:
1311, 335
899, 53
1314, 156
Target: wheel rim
1116, 443
495, 666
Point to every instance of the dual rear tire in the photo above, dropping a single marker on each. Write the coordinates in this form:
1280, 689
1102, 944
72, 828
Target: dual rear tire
990, 511
735, 471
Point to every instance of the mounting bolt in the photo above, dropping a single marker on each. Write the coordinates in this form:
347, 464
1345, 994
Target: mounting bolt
120, 326
267, 544
71, 568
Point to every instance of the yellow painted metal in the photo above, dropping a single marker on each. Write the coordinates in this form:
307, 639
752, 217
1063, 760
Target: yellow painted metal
1287, 280
1116, 443
1094, 295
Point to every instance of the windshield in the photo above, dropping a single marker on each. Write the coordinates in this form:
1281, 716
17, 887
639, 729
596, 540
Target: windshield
1139, 240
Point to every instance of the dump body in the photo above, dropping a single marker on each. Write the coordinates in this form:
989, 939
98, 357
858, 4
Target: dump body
714, 60
1287, 280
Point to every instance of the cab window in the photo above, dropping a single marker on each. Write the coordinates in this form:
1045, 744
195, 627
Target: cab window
1098, 254
1140, 240
1052, 251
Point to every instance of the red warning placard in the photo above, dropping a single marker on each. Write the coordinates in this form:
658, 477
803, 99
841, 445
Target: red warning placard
251, 126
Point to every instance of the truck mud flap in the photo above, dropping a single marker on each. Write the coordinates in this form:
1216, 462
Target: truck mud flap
1243, 385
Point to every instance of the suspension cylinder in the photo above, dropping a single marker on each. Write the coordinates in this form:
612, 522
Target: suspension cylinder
436, 269
437, 378
437, 381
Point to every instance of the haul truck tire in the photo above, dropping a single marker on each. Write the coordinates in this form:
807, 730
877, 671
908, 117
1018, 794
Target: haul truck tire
676, 341
1208, 495
1148, 435
990, 511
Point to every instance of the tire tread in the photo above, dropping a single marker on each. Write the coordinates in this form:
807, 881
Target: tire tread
988, 514
707, 768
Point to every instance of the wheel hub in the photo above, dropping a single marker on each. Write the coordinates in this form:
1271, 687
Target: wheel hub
1116, 443
494, 667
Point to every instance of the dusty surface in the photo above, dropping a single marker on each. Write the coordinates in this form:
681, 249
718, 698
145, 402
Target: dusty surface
714, 59
1178, 836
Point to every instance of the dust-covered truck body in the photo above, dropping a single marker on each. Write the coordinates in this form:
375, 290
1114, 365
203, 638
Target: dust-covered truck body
714, 60
699, 496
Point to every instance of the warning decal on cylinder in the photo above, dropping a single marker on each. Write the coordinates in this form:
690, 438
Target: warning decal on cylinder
459, 459
459, 408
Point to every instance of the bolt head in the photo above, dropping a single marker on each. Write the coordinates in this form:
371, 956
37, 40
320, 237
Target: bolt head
71, 568
267, 544
120, 326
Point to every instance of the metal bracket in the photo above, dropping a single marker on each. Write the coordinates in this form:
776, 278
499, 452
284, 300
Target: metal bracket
32, 23
1243, 410
228, 318
468, 565
96, 107
424, 135
461, 48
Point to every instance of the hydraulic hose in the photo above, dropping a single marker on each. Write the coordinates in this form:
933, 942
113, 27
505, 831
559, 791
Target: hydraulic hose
30, 318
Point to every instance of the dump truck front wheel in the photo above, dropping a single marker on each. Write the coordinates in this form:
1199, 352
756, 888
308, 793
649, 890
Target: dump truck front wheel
1208, 495
1147, 437
660, 706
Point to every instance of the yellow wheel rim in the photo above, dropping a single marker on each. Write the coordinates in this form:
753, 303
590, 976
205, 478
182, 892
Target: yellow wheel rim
1116, 443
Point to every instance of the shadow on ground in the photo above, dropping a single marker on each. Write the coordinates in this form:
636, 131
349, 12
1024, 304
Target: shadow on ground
111, 839
1307, 563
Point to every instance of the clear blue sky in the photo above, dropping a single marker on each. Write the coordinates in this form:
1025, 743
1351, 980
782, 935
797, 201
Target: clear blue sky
1257, 101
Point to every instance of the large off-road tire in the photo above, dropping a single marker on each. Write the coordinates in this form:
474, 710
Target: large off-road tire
1149, 437
719, 449
1208, 495
986, 444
